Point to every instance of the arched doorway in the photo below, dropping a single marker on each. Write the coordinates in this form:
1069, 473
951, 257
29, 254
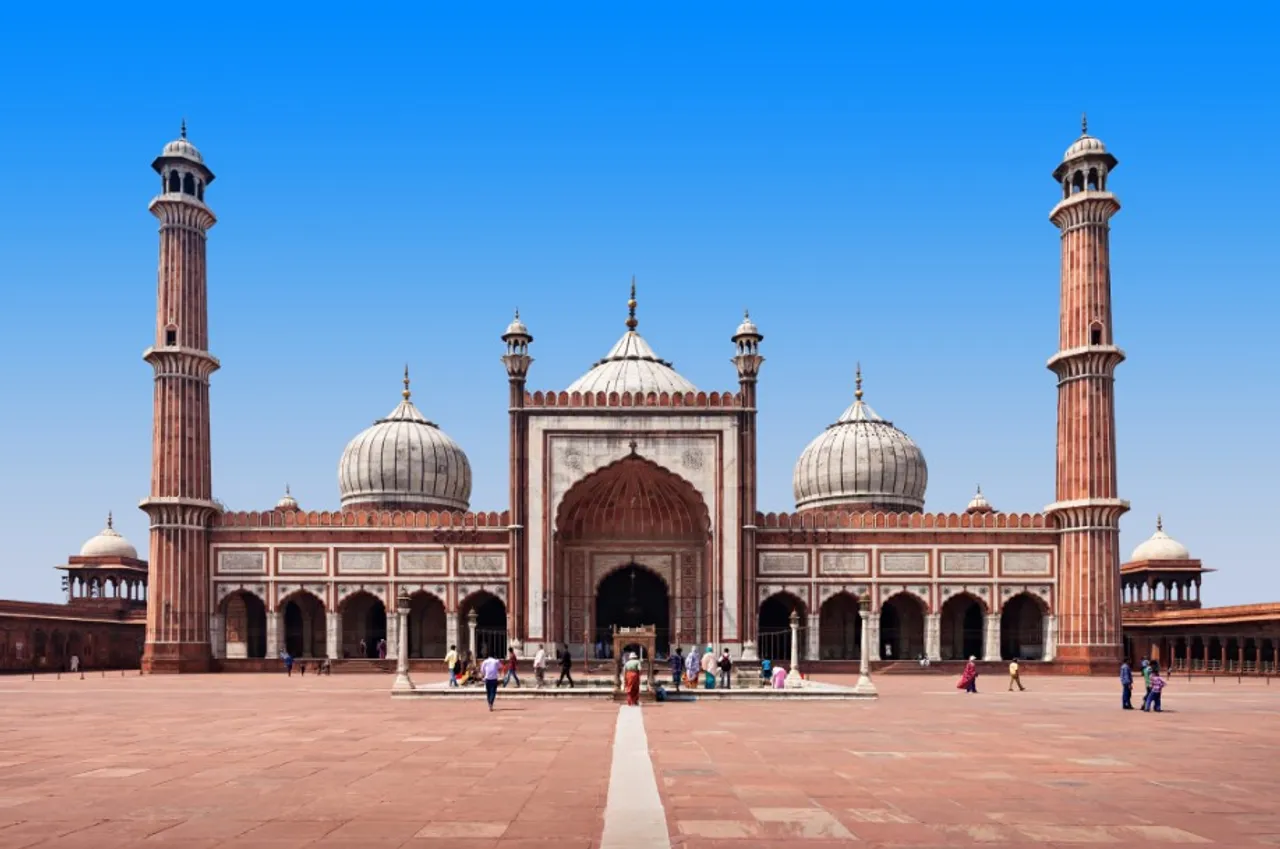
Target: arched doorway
774, 632
632, 511
245, 626
364, 625
428, 626
629, 597
491, 625
839, 628
304, 631
961, 628
901, 627
1022, 628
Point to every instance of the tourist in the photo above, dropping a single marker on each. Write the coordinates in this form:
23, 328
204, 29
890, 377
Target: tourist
75, 663
969, 679
726, 669
1157, 687
691, 668
1013, 676
1126, 687
1146, 679
512, 660
631, 679
709, 668
364, 648
382, 649
566, 663
540, 668
453, 664
766, 671
288, 663
779, 678
489, 672
677, 668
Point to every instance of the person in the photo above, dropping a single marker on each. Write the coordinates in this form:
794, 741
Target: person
75, 663
1157, 687
364, 648
1013, 676
1146, 679
691, 666
1126, 687
969, 680
489, 672
512, 660
566, 663
631, 679
540, 667
779, 678
766, 671
709, 668
288, 663
325, 667
726, 669
454, 665
382, 649
677, 668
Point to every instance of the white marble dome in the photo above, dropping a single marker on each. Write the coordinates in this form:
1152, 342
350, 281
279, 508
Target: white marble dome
182, 148
108, 543
861, 461
1086, 144
287, 501
632, 366
404, 462
1160, 546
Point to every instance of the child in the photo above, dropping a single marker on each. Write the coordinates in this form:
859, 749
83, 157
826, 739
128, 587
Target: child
1157, 686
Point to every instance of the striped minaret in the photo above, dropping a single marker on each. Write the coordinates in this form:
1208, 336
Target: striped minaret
1087, 508
181, 504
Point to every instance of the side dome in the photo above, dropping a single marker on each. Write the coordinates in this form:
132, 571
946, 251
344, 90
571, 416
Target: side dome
287, 501
632, 366
1160, 546
108, 543
404, 462
863, 462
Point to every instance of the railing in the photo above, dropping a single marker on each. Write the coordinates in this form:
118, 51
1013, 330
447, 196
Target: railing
775, 646
491, 641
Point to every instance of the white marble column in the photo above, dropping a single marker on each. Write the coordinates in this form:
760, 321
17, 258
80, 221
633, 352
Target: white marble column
864, 686
275, 633
873, 636
793, 674
471, 636
401, 646
451, 629
992, 649
218, 635
333, 634
933, 636
1050, 637
812, 650
393, 635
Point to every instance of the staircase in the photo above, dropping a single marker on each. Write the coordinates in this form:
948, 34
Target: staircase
364, 666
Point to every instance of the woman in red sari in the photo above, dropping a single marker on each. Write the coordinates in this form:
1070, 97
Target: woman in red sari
631, 679
969, 679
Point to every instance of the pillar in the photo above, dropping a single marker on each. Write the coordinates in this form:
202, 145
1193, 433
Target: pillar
401, 645
793, 674
275, 633
1050, 636
451, 628
933, 636
873, 629
333, 634
217, 636
812, 649
393, 636
471, 633
864, 686
991, 627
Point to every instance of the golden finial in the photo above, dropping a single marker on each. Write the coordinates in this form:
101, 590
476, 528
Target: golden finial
857, 382
1159, 522
631, 306
1084, 124
109, 526
184, 128
405, 393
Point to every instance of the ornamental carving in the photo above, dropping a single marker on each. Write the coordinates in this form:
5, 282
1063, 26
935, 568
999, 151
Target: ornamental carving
471, 563
242, 562
1025, 563
260, 590
378, 591
422, 563
828, 591
784, 563
362, 562
904, 563
692, 459
965, 563
844, 563
302, 563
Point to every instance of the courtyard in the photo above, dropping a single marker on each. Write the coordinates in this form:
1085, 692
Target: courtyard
269, 761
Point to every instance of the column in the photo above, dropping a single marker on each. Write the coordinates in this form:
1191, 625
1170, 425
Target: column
393, 636
933, 636
275, 633
333, 634
451, 628
401, 646
873, 637
991, 651
471, 633
864, 686
1050, 636
793, 674
218, 635
812, 649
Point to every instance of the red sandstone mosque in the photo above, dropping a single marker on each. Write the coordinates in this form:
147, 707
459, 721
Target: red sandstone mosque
632, 501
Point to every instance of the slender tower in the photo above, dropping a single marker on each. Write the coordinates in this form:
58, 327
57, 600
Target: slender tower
747, 360
181, 504
517, 362
1087, 508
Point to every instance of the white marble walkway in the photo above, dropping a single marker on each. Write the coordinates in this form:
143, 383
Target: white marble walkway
633, 814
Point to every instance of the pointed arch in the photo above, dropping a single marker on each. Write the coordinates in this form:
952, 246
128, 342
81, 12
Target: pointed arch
633, 498
901, 626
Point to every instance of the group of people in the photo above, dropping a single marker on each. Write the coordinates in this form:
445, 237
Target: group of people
705, 668
323, 665
1151, 678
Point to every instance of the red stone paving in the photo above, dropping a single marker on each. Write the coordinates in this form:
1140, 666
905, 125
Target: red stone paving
267, 761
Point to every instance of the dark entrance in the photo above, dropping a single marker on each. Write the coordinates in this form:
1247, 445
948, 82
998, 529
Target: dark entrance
630, 597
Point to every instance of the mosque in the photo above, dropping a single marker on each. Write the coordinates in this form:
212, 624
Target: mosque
632, 501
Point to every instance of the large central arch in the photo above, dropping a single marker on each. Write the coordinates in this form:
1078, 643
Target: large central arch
631, 518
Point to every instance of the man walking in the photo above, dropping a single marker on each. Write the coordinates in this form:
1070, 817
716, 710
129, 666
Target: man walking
1146, 679
489, 671
540, 668
726, 670
451, 663
677, 668
1126, 686
566, 663
512, 662
1013, 677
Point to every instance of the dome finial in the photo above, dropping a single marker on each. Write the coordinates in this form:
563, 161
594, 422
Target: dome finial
183, 131
109, 525
979, 489
1159, 522
517, 313
286, 490
857, 382
631, 306
405, 393
1084, 123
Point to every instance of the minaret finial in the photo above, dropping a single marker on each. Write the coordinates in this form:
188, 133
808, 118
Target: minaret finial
517, 313
184, 128
286, 490
1084, 124
109, 525
857, 382
405, 393
1159, 522
631, 306
979, 489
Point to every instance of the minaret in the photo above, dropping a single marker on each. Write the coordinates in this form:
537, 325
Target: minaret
746, 342
517, 361
1087, 508
181, 504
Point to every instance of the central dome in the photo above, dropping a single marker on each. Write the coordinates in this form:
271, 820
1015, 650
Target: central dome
632, 366
404, 462
109, 543
862, 461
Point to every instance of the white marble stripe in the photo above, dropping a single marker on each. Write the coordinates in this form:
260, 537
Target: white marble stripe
633, 814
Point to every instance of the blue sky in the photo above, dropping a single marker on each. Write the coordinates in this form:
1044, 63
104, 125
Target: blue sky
873, 183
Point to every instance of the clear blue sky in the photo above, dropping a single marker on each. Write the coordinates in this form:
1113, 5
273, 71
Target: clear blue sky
874, 184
